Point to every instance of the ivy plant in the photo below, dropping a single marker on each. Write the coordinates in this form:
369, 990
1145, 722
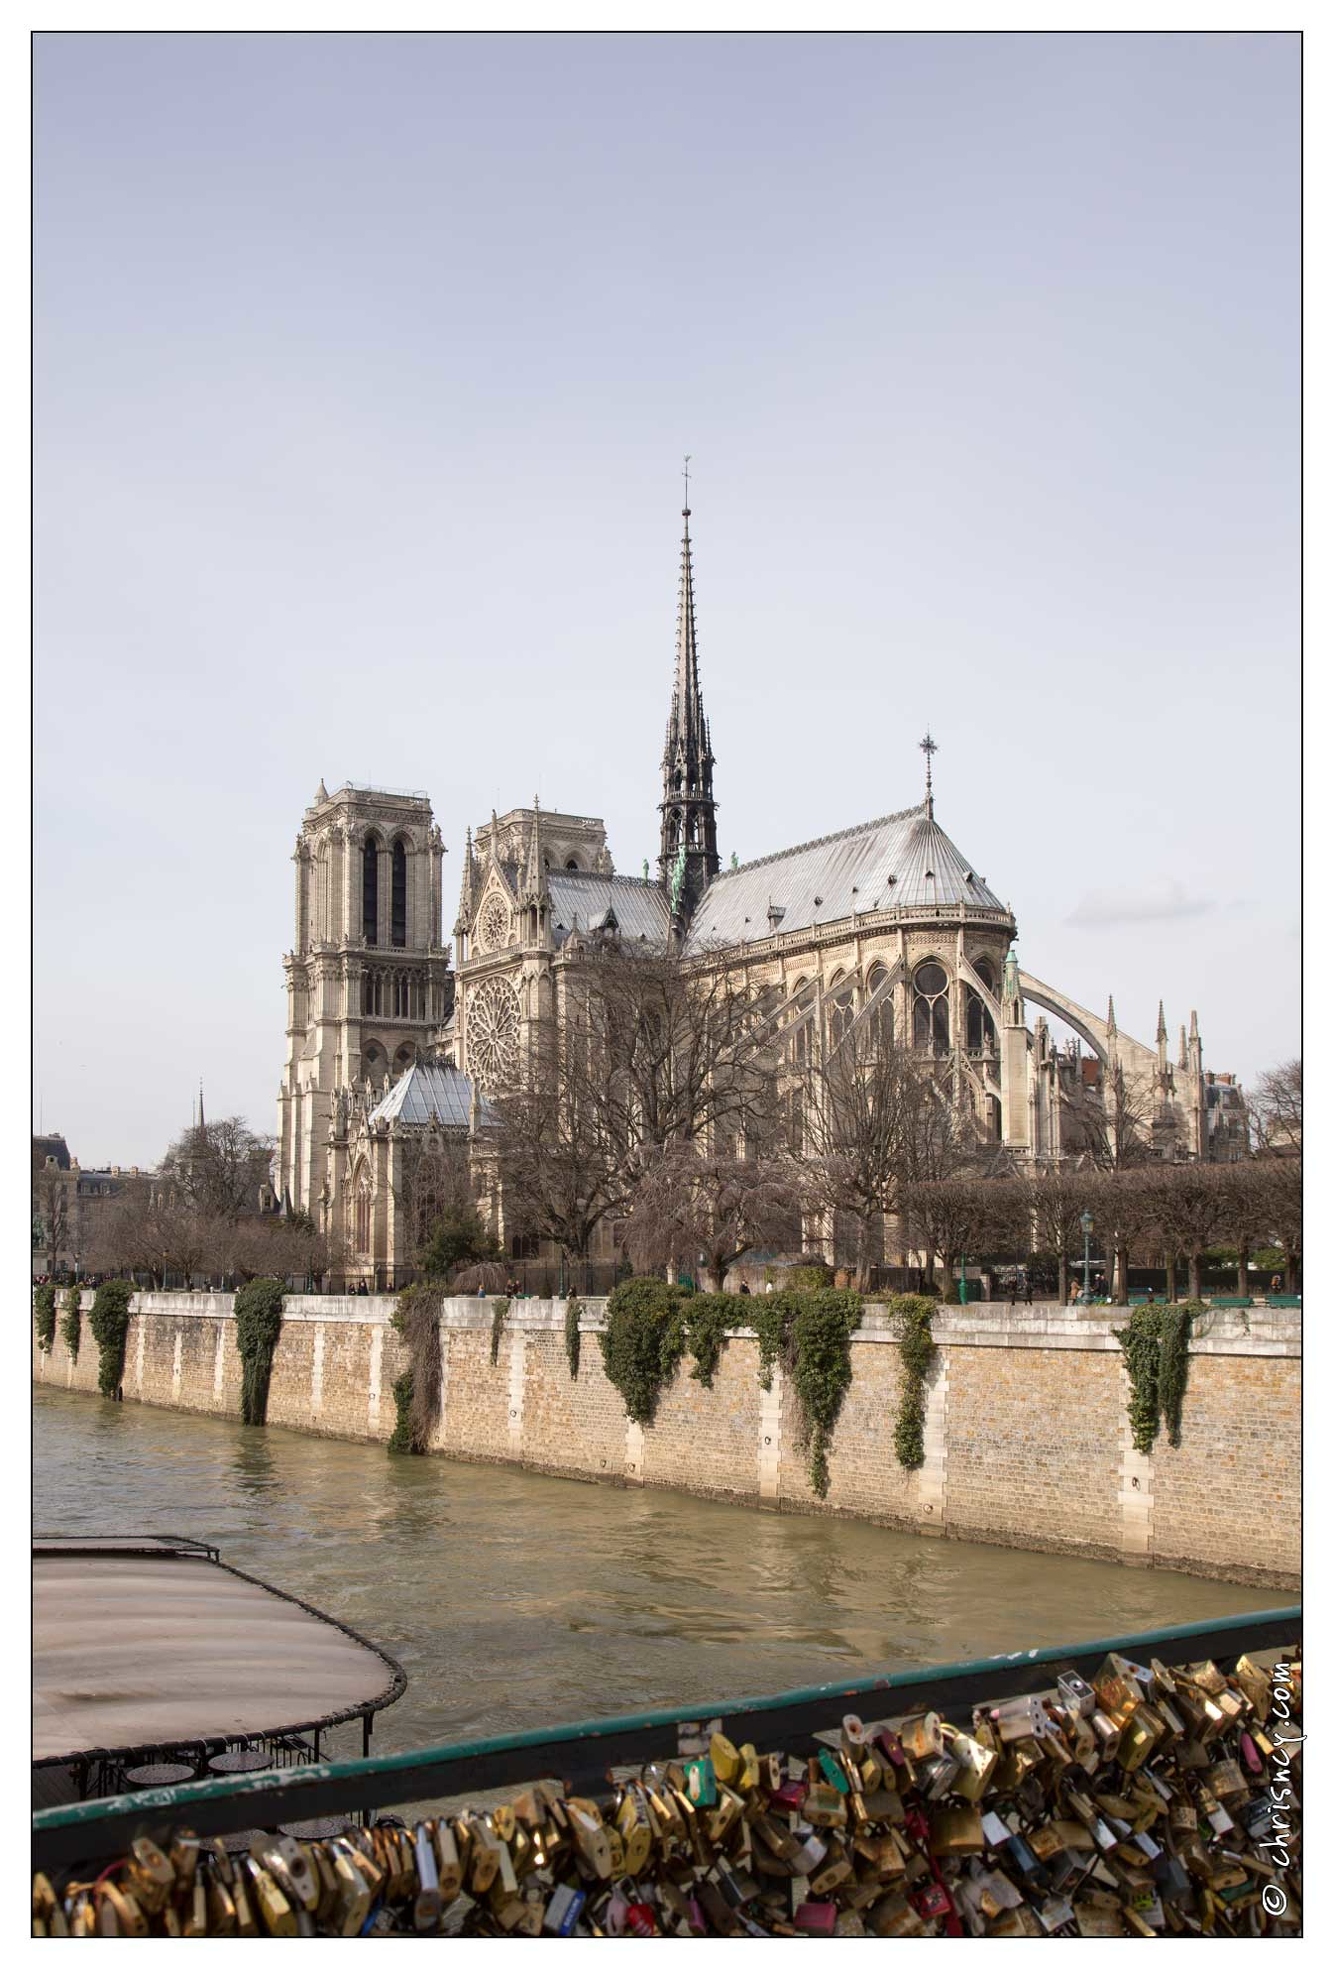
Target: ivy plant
109, 1322
499, 1314
44, 1316
71, 1323
911, 1313
416, 1319
651, 1326
259, 1321
401, 1443
1155, 1342
572, 1312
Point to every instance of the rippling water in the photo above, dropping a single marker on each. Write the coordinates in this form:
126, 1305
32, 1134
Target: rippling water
514, 1601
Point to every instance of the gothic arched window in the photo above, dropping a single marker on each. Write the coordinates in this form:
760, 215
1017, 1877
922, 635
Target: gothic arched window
982, 965
363, 1218
931, 1008
981, 1031
370, 891
802, 1035
398, 915
882, 1017
841, 1010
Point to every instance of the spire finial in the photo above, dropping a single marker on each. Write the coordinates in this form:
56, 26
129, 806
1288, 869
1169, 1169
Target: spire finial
928, 745
685, 510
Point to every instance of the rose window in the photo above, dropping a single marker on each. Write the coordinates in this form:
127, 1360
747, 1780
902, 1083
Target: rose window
493, 1031
495, 925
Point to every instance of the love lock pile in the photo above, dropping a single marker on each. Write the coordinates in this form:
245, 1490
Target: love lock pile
1155, 1801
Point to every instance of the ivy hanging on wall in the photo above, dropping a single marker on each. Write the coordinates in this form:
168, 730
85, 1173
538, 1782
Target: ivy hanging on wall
259, 1321
651, 1326
1156, 1344
642, 1343
572, 1313
499, 1314
400, 1443
416, 1319
44, 1316
71, 1324
109, 1322
911, 1313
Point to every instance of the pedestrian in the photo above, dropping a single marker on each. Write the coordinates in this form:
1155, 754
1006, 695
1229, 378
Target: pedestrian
745, 1289
768, 1287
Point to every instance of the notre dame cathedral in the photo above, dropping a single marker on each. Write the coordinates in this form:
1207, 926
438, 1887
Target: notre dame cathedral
387, 1037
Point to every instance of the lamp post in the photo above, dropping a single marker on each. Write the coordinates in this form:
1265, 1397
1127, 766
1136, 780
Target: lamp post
1086, 1225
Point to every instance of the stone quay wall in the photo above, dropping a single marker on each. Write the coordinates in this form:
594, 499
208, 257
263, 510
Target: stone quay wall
1027, 1437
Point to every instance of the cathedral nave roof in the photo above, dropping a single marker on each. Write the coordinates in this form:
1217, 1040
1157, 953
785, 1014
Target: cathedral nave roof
582, 902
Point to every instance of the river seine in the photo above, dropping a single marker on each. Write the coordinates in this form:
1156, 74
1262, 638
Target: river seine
514, 1601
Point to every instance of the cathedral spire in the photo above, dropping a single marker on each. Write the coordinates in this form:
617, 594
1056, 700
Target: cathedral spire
689, 841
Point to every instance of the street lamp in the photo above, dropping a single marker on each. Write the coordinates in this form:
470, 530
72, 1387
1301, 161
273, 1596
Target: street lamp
1086, 1225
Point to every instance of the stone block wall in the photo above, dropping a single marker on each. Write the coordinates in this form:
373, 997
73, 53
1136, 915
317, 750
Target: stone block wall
1027, 1439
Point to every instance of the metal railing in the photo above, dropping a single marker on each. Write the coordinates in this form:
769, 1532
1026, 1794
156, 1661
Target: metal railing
584, 1753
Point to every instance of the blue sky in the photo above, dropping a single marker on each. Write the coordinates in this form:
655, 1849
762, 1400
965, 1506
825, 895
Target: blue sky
364, 369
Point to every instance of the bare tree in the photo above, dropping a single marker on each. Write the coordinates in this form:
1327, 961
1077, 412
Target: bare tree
957, 1216
1276, 1109
436, 1197
1190, 1212
1279, 1207
681, 1048
1059, 1194
161, 1236
875, 1118
219, 1168
51, 1213
561, 1170
652, 1055
687, 1203
1123, 1204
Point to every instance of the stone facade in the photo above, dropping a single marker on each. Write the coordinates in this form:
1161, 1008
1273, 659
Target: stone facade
1027, 1440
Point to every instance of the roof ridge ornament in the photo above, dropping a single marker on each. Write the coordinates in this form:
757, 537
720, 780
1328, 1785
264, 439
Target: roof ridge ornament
929, 746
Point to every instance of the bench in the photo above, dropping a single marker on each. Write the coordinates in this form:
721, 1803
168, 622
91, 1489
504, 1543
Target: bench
1233, 1302
1285, 1299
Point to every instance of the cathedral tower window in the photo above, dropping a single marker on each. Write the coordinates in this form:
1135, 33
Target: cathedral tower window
370, 891
398, 917
931, 1008
363, 1218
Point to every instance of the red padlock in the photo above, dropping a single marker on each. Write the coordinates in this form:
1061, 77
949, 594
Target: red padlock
640, 1919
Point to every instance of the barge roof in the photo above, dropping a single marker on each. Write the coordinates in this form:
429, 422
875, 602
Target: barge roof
154, 1641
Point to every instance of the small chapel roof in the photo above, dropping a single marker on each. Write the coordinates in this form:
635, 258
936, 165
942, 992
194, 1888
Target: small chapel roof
901, 861
430, 1090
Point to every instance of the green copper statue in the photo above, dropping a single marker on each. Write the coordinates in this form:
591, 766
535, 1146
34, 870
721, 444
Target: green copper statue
678, 881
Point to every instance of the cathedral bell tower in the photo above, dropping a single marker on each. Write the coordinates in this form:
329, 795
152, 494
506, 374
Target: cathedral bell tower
688, 857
